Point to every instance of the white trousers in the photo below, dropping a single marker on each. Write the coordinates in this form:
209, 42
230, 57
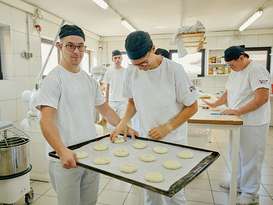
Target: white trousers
153, 198
251, 155
77, 186
119, 107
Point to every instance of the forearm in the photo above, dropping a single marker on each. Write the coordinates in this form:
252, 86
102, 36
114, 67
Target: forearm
110, 115
183, 116
130, 111
107, 93
51, 134
249, 107
222, 100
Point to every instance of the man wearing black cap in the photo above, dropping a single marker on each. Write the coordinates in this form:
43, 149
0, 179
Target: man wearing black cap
247, 95
113, 80
67, 101
164, 97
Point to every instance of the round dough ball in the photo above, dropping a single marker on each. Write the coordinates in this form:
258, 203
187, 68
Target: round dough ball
100, 147
121, 152
154, 177
102, 161
147, 158
185, 155
128, 168
139, 145
119, 140
171, 164
160, 150
81, 154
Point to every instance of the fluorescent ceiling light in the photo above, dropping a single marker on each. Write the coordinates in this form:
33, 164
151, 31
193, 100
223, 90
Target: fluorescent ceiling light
127, 25
251, 19
101, 3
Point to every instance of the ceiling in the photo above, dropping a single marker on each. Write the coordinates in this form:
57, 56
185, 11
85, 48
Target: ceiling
159, 16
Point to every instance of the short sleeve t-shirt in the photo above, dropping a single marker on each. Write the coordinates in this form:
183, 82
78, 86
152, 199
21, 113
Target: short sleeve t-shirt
74, 96
159, 95
241, 88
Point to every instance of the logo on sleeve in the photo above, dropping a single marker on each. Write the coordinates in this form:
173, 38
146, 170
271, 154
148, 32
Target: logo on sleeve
192, 88
263, 81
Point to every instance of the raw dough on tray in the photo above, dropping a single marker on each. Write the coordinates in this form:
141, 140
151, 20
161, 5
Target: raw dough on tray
147, 158
139, 145
155, 177
160, 150
185, 155
119, 140
128, 168
121, 152
171, 164
100, 147
81, 154
102, 160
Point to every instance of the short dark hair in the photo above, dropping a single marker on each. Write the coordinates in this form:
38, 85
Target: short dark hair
116, 53
163, 52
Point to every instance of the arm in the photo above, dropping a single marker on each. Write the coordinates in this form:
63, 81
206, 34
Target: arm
108, 113
221, 101
107, 87
122, 126
51, 133
261, 96
163, 130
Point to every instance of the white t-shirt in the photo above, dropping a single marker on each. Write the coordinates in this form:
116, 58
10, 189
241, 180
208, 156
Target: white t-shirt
114, 77
241, 88
75, 96
159, 95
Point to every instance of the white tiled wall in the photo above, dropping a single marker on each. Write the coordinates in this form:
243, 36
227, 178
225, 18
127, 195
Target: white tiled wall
20, 73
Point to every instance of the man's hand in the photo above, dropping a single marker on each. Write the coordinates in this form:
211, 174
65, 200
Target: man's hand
68, 158
210, 104
159, 132
122, 128
231, 112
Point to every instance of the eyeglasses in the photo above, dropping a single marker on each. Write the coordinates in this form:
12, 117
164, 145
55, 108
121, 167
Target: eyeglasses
71, 47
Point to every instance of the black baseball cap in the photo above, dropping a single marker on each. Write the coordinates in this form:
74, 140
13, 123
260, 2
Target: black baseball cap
71, 30
234, 52
137, 44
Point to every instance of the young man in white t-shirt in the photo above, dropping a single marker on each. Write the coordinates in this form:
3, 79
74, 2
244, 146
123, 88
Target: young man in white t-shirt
113, 80
247, 95
162, 94
67, 100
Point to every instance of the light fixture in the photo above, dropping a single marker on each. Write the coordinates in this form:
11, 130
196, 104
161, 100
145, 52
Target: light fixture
127, 25
251, 19
101, 3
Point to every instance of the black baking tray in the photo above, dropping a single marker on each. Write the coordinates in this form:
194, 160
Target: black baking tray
174, 188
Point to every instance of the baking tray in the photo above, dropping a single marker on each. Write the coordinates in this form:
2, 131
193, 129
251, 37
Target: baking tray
174, 180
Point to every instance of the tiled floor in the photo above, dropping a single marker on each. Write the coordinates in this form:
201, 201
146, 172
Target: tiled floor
203, 190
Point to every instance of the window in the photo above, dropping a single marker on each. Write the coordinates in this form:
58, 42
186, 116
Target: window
54, 58
85, 64
260, 55
125, 60
194, 64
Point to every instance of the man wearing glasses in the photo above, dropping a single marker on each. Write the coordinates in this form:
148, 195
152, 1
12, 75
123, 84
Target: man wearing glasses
67, 100
160, 91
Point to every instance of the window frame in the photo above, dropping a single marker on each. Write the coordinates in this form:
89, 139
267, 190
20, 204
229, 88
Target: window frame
267, 49
1, 72
203, 55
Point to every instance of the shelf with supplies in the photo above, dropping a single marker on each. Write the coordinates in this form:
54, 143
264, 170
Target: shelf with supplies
216, 64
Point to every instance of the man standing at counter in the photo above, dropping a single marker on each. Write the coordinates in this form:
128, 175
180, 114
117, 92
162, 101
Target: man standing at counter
247, 96
162, 94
